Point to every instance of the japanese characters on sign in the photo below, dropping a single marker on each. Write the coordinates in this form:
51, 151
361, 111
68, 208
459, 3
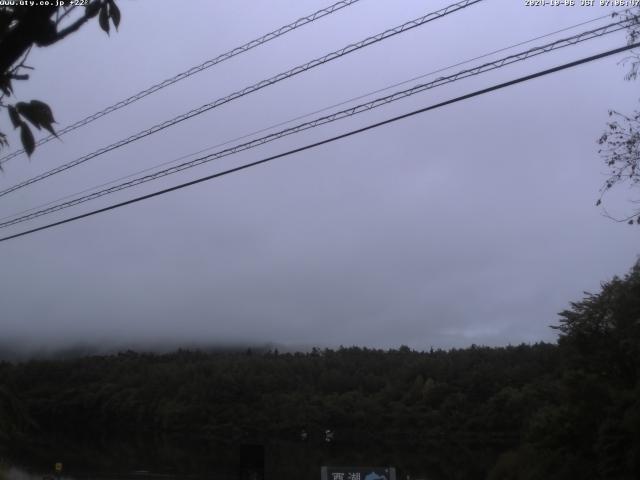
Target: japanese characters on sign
358, 473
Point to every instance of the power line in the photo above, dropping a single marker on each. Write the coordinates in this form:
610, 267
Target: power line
300, 117
500, 63
192, 71
333, 117
332, 139
255, 87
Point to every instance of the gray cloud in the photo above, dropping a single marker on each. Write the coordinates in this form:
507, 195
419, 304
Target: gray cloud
470, 224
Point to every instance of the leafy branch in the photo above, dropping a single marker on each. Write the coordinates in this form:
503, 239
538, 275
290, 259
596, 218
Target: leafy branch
620, 142
22, 27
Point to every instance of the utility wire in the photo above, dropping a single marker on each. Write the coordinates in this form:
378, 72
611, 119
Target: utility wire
255, 87
192, 71
333, 139
500, 63
300, 117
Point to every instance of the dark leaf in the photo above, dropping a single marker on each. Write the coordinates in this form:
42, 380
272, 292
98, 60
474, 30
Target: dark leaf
114, 13
14, 116
92, 9
104, 18
43, 113
38, 113
598, 202
630, 222
26, 111
28, 142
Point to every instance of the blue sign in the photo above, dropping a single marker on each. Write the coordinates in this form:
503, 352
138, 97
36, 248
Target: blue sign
357, 473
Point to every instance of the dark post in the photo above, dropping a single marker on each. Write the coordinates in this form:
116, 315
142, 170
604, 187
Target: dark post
251, 462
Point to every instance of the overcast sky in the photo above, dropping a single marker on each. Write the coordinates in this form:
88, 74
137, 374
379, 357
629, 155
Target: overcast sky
474, 223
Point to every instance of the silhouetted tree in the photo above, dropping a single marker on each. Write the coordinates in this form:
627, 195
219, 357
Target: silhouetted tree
570, 410
620, 143
21, 28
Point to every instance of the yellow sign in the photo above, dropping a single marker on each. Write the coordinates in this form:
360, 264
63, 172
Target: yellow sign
58, 467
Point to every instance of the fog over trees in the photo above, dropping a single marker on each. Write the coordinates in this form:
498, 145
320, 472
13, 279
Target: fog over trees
570, 410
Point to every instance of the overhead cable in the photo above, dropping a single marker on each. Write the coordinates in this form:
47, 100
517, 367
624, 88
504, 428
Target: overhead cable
331, 139
361, 108
300, 117
245, 91
192, 71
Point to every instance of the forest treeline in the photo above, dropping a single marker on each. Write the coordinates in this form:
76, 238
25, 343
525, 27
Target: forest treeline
543, 411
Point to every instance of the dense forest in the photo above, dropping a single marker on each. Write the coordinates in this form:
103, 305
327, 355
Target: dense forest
567, 410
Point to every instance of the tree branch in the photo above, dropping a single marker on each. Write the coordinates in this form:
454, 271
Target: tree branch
24, 35
74, 26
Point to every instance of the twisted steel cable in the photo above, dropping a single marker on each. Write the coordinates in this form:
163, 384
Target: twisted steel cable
486, 67
350, 133
247, 90
300, 117
192, 71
